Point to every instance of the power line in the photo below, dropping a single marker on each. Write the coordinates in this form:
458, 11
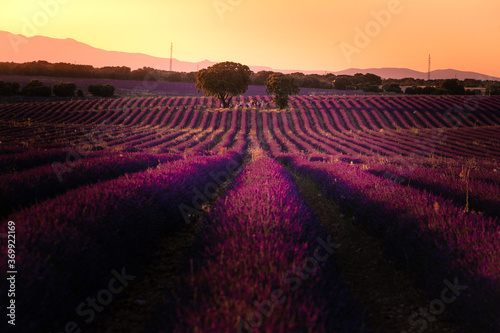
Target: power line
429, 69
171, 53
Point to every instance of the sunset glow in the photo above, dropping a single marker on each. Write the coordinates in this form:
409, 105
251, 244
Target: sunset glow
306, 35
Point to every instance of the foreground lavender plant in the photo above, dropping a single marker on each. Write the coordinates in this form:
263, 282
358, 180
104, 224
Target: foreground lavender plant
37, 184
266, 263
31, 158
68, 245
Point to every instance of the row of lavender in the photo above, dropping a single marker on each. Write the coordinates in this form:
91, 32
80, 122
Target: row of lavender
111, 138
354, 113
477, 191
429, 236
21, 189
441, 103
193, 138
335, 121
303, 132
478, 169
407, 113
300, 131
310, 132
311, 119
70, 246
263, 263
477, 195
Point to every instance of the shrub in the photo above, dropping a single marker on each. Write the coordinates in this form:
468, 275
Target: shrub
370, 88
493, 89
429, 91
66, 89
422, 91
36, 88
392, 87
282, 86
9, 88
79, 93
100, 90
452, 87
341, 83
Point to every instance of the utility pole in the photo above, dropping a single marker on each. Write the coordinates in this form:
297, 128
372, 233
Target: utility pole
429, 69
171, 53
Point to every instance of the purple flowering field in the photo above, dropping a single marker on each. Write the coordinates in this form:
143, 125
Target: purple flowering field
173, 214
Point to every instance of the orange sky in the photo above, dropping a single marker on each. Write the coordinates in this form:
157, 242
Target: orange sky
309, 35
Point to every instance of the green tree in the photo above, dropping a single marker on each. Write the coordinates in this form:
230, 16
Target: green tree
100, 90
369, 88
282, 86
64, 89
36, 88
373, 79
341, 83
224, 80
472, 83
493, 89
392, 87
311, 82
452, 87
260, 78
9, 88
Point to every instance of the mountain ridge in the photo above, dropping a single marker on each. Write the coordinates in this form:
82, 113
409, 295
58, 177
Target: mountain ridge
19, 49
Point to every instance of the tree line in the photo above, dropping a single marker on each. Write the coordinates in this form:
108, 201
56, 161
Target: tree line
36, 88
359, 82
44, 68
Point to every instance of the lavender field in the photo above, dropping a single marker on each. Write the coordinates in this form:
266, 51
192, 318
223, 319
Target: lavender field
172, 214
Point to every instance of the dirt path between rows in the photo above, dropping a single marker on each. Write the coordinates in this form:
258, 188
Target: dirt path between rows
133, 311
386, 293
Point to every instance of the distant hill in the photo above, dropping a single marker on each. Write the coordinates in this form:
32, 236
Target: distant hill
74, 52
19, 49
401, 73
